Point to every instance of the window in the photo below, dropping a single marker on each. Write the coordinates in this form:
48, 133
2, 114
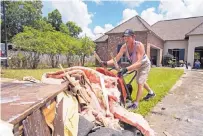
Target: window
197, 55
124, 59
178, 54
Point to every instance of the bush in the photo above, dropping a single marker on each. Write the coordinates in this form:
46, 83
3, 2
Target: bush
18, 61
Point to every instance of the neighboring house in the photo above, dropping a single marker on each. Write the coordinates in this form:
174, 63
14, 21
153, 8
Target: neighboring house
183, 38
3, 52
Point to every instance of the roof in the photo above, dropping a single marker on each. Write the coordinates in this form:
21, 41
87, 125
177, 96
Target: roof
176, 29
135, 23
102, 38
197, 30
148, 27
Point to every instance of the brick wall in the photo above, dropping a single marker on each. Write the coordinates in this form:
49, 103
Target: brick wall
104, 48
115, 39
141, 36
152, 39
101, 49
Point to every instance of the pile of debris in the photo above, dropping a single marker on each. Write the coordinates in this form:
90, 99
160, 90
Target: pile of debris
91, 105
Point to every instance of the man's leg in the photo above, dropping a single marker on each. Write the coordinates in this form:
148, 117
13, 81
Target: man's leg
139, 93
134, 105
146, 86
150, 92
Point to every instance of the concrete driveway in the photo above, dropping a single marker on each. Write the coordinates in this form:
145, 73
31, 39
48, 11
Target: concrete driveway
180, 113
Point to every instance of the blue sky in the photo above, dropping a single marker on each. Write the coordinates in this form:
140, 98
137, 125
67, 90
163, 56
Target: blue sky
111, 12
106, 11
97, 16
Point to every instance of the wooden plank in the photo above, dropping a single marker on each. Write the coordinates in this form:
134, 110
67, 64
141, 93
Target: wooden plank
19, 100
58, 121
16, 129
35, 125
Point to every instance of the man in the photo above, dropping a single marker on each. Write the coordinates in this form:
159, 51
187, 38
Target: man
197, 64
135, 51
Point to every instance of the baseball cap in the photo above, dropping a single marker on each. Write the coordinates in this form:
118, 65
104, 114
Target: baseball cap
128, 32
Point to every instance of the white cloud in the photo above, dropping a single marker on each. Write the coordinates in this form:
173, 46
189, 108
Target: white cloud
150, 16
132, 3
76, 10
127, 14
88, 32
173, 9
181, 8
98, 2
99, 31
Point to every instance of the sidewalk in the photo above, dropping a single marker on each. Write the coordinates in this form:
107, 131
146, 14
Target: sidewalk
180, 113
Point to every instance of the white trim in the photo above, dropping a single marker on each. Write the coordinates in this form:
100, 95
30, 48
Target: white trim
154, 46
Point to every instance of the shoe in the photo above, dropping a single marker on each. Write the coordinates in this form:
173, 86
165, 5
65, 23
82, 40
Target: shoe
148, 96
128, 103
133, 106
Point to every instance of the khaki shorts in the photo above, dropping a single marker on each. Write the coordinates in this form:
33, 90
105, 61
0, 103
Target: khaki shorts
143, 72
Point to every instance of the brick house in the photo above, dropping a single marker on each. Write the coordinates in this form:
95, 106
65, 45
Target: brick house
180, 37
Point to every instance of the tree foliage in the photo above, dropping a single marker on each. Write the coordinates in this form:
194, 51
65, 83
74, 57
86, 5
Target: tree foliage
38, 36
64, 29
19, 14
31, 40
55, 19
53, 43
43, 26
73, 29
83, 50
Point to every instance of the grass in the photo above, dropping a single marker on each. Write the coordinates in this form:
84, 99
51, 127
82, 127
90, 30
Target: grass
20, 73
160, 80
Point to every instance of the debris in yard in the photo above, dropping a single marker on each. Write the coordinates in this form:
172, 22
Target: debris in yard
31, 79
99, 100
49, 114
177, 118
70, 115
166, 133
157, 113
34, 124
163, 108
84, 126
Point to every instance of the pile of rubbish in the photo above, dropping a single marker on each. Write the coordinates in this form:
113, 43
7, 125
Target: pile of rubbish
91, 104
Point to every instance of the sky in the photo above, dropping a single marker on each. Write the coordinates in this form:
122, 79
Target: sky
96, 17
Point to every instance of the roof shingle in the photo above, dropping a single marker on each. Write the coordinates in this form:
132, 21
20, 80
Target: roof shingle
197, 30
176, 29
102, 38
134, 23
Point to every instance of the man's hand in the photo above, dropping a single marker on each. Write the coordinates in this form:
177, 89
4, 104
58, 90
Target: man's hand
104, 63
122, 71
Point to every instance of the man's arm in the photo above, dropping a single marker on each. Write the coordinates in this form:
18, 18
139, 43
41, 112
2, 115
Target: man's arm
118, 56
139, 54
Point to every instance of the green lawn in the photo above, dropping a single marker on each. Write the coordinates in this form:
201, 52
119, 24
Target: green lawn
20, 73
160, 80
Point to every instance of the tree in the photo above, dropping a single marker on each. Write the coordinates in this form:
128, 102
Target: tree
84, 50
31, 41
55, 45
73, 29
64, 29
19, 14
42, 26
55, 19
